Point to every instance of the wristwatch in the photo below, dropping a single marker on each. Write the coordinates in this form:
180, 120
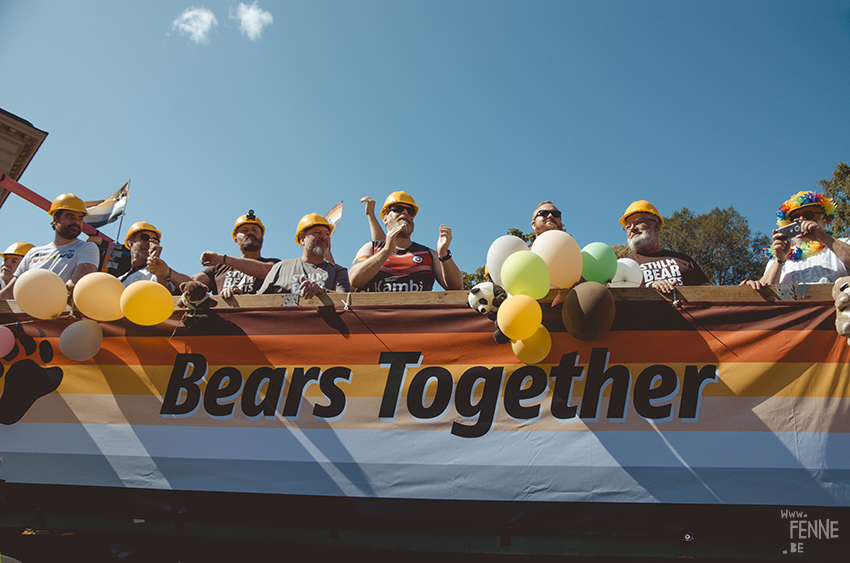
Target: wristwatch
446, 257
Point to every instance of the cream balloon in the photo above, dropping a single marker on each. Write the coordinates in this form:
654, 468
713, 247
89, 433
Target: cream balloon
41, 294
499, 251
98, 296
628, 274
81, 340
562, 254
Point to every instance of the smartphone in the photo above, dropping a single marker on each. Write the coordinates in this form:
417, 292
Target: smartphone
789, 231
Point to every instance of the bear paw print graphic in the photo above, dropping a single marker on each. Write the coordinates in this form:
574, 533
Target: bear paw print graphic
25, 381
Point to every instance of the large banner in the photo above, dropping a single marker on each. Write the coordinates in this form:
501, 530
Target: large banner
704, 403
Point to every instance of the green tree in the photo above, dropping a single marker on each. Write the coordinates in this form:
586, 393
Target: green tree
838, 189
720, 241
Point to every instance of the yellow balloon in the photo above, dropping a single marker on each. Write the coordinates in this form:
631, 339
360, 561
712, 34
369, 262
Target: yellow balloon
81, 340
41, 294
146, 303
98, 296
519, 317
561, 253
533, 350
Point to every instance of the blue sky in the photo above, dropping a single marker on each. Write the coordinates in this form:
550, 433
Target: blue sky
479, 109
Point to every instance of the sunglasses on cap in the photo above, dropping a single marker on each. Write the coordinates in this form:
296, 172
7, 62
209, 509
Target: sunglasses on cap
807, 214
398, 208
546, 212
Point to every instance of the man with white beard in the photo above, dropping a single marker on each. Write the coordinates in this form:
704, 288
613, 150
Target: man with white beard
662, 269
311, 273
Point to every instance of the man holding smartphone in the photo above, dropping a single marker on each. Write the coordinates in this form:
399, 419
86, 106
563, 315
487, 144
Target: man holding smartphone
803, 249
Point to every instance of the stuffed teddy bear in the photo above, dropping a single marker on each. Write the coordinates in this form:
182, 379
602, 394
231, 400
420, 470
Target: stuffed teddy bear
841, 294
486, 297
197, 300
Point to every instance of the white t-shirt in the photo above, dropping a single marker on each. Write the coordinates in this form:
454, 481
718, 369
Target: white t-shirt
823, 267
60, 259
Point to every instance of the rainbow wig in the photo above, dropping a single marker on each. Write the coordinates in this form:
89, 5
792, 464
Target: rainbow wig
805, 199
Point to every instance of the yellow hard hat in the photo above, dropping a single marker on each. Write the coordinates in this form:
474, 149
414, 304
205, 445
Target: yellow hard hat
141, 226
308, 222
248, 219
641, 206
68, 202
19, 248
399, 197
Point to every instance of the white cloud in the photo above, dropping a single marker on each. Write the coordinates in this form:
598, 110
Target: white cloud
196, 22
252, 19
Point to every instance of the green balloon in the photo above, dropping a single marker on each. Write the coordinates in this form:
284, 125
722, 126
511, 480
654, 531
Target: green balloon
599, 262
525, 273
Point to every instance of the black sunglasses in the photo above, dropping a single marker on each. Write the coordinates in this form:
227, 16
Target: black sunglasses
808, 215
146, 237
399, 208
546, 212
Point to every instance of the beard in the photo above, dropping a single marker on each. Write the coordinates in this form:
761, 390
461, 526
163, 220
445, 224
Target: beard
250, 244
70, 232
643, 242
316, 249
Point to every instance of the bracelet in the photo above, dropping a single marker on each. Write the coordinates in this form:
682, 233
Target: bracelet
780, 262
446, 257
224, 260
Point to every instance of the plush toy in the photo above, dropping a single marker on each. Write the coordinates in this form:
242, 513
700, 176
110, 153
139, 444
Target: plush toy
486, 297
841, 294
196, 299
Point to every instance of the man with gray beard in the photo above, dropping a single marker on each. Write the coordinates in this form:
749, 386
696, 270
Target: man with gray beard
311, 273
226, 275
662, 269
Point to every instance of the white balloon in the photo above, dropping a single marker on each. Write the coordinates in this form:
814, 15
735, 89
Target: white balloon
81, 340
628, 274
499, 251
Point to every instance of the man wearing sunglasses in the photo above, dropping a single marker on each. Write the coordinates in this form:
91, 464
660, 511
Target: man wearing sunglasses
67, 256
812, 256
546, 217
142, 240
228, 275
399, 264
662, 269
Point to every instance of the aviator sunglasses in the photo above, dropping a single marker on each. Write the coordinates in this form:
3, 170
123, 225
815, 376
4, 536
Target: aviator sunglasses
546, 212
146, 237
400, 208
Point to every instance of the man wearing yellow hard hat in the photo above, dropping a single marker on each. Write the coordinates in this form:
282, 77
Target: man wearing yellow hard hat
662, 269
11, 258
67, 256
142, 241
228, 275
399, 264
311, 273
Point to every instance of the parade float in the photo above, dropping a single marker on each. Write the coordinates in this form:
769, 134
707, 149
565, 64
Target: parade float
710, 422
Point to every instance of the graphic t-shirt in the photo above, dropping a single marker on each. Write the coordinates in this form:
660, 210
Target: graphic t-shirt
671, 266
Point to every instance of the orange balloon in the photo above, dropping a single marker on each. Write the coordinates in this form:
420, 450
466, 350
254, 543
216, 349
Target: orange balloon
519, 317
533, 350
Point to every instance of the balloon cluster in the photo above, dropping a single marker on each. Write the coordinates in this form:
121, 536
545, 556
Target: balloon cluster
99, 296
554, 260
